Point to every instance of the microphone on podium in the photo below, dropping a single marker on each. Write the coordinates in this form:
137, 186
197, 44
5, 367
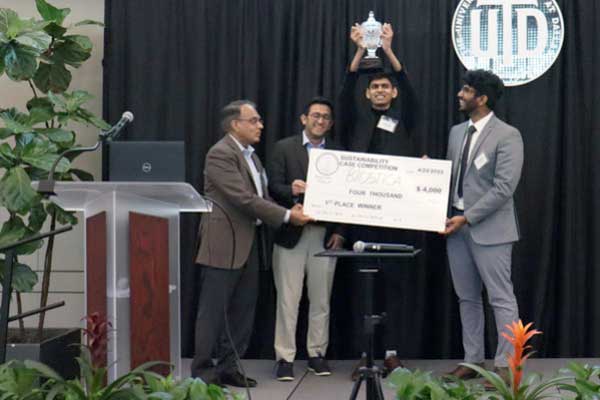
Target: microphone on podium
46, 187
114, 131
361, 247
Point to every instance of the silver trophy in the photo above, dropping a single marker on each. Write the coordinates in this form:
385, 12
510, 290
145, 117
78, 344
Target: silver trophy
371, 30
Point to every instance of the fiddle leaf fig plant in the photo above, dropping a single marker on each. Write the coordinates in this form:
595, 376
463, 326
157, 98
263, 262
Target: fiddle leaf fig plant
41, 54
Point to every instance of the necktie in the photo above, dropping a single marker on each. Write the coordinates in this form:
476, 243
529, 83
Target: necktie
465, 159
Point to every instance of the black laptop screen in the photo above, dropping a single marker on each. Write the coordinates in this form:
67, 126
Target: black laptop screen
146, 161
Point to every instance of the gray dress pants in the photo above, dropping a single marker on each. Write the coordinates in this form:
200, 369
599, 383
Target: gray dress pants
473, 265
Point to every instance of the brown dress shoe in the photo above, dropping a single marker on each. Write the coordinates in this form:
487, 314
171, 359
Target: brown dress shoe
390, 364
503, 373
464, 373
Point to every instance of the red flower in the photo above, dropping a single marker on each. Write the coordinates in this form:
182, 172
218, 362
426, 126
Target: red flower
97, 337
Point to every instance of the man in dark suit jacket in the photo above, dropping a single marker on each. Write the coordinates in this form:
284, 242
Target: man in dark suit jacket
229, 255
293, 252
487, 158
380, 121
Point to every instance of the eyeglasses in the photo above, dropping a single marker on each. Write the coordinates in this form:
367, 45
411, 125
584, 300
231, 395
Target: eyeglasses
317, 116
253, 120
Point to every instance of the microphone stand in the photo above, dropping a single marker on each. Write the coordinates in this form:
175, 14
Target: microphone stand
370, 374
46, 187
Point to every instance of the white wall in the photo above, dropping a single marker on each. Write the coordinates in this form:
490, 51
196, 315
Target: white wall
67, 277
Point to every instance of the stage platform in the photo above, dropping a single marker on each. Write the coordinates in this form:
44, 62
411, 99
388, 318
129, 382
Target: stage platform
338, 386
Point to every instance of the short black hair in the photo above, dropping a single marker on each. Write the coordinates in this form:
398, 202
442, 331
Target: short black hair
318, 100
485, 83
382, 75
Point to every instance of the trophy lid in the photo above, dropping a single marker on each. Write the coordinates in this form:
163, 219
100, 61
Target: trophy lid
371, 22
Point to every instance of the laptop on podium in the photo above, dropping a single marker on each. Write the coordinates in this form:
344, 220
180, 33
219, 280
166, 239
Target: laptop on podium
155, 161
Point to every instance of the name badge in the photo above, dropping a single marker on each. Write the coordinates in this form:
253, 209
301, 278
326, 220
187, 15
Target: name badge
387, 123
480, 161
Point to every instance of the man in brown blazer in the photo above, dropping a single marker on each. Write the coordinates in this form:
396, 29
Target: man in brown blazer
229, 255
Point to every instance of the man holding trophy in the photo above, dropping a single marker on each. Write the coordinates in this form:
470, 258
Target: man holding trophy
389, 104
379, 122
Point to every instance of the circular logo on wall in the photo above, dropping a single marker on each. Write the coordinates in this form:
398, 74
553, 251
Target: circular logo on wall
146, 167
518, 40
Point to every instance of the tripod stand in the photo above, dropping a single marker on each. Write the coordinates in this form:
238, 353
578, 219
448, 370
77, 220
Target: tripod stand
370, 373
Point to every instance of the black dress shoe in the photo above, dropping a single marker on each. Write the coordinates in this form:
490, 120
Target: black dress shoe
236, 379
216, 382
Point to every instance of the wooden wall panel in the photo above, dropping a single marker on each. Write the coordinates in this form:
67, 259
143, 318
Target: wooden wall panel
95, 255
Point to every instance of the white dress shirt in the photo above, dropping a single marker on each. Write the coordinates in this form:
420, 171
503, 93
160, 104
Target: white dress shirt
256, 176
458, 202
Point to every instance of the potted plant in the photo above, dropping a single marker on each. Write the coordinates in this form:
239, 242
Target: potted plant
41, 54
582, 382
586, 381
418, 385
532, 387
19, 380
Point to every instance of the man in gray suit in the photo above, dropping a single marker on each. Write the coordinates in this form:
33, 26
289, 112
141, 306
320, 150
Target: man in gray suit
487, 157
229, 255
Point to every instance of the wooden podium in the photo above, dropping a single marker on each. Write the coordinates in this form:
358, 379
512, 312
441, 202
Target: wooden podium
132, 264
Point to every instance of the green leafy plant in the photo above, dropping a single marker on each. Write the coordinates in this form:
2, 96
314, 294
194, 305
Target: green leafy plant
93, 371
462, 391
418, 385
18, 382
41, 54
586, 384
581, 382
533, 386
167, 388
91, 385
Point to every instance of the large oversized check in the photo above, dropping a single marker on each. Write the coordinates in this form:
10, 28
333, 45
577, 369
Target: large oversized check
377, 190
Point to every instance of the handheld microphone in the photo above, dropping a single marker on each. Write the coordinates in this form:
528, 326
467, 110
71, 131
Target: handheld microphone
114, 131
360, 247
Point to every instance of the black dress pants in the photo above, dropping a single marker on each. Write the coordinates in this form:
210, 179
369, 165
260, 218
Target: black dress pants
230, 292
